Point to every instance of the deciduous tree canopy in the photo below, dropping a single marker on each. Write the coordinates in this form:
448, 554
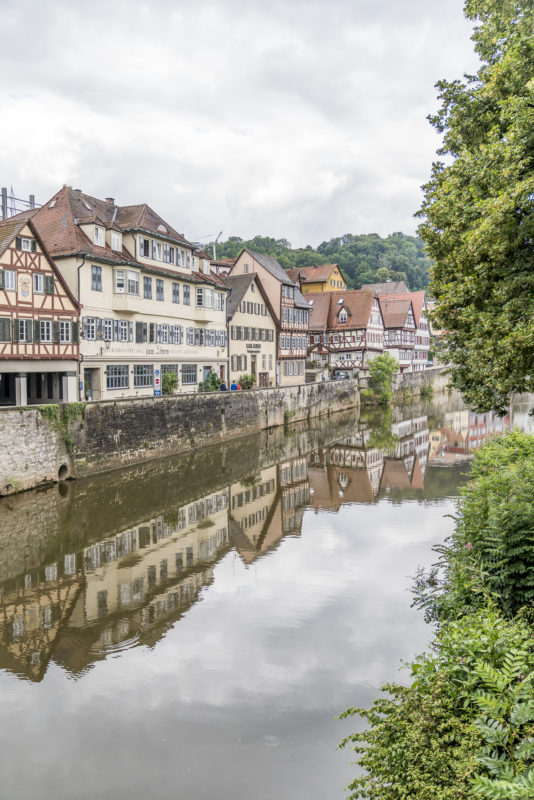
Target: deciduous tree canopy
364, 258
478, 209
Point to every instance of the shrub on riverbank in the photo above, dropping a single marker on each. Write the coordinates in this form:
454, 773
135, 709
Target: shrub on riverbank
381, 372
465, 727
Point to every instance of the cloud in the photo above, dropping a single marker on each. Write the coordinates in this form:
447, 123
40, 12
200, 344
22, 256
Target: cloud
296, 119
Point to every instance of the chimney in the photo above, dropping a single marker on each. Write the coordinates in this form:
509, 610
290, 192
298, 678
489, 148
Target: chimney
110, 200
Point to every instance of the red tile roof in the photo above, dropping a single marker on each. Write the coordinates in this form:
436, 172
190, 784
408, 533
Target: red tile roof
327, 305
318, 273
394, 312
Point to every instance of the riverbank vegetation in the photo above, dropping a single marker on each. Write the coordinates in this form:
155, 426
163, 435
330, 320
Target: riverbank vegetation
478, 210
382, 370
464, 728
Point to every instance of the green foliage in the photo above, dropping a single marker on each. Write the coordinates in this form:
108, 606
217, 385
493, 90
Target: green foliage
60, 419
169, 382
363, 258
479, 210
247, 381
491, 552
426, 392
381, 372
288, 415
211, 384
465, 726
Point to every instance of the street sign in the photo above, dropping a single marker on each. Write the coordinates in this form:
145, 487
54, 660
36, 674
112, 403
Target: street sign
157, 392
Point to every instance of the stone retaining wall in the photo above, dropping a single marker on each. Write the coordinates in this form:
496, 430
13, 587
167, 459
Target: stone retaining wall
95, 437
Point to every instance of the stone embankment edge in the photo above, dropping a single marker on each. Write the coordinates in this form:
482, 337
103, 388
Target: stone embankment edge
42, 444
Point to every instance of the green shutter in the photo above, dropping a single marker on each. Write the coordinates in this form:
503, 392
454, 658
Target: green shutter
55, 331
15, 330
36, 330
75, 329
18, 243
5, 329
1, 278
49, 284
34, 246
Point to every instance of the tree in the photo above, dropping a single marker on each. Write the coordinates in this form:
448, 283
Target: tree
381, 372
478, 210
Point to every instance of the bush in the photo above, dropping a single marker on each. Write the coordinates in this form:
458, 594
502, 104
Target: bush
211, 384
169, 382
247, 381
381, 372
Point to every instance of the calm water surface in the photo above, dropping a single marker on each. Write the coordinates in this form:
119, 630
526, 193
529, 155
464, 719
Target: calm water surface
190, 628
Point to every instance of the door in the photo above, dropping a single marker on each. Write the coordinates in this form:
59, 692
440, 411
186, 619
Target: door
88, 384
264, 380
253, 364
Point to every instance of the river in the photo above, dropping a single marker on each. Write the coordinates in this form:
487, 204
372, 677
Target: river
191, 627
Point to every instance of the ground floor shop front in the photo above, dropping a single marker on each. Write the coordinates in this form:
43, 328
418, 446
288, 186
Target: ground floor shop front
36, 382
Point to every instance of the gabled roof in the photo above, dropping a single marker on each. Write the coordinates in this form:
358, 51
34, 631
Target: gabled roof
239, 285
271, 265
395, 312
58, 222
327, 305
417, 299
9, 229
395, 287
318, 273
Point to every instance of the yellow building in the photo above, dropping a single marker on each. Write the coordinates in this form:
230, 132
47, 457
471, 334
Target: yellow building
252, 329
150, 304
319, 278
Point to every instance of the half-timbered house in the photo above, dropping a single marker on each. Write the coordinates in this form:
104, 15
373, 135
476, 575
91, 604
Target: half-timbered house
399, 329
346, 329
291, 312
38, 321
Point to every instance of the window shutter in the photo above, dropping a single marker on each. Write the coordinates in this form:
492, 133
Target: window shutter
34, 246
158, 333
75, 328
55, 331
36, 330
49, 284
15, 330
139, 332
152, 337
130, 331
116, 330
18, 243
1, 278
99, 329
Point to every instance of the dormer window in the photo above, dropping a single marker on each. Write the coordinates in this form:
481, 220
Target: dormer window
116, 240
23, 243
343, 316
99, 236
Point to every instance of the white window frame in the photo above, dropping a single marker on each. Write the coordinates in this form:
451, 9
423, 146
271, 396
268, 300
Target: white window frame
25, 244
45, 330
64, 331
123, 331
119, 275
116, 240
10, 283
132, 282
99, 236
38, 283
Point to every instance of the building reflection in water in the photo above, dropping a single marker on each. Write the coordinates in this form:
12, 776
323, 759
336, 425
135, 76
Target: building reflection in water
128, 588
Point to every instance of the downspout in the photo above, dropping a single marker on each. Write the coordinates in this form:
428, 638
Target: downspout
80, 380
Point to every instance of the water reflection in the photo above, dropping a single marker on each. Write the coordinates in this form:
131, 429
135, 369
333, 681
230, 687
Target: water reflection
119, 559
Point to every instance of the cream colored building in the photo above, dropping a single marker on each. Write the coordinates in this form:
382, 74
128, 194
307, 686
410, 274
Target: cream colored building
252, 331
150, 304
290, 309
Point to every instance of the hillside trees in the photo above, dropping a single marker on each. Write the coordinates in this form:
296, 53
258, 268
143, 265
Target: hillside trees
363, 258
479, 209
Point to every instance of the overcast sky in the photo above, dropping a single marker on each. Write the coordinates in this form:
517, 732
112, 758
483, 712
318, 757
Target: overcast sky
297, 118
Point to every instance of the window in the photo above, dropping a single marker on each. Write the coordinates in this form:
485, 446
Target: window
99, 236
169, 368
45, 330
24, 330
156, 251
64, 331
89, 327
147, 288
168, 254
133, 282
107, 329
200, 297
96, 278
159, 289
9, 280
175, 292
186, 295
163, 334
190, 336
120, 281
270, 360
144, 247
25, 244
189, 373
343, 316
143, 375
117, 377
122, 328
245, 267
116, 240
38, 283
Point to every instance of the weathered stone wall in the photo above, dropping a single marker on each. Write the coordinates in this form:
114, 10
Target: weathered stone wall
415, 381
112, 434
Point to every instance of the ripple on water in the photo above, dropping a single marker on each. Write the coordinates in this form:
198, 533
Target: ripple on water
113, 639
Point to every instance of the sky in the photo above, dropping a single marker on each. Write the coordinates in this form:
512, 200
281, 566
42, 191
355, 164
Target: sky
302, 119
